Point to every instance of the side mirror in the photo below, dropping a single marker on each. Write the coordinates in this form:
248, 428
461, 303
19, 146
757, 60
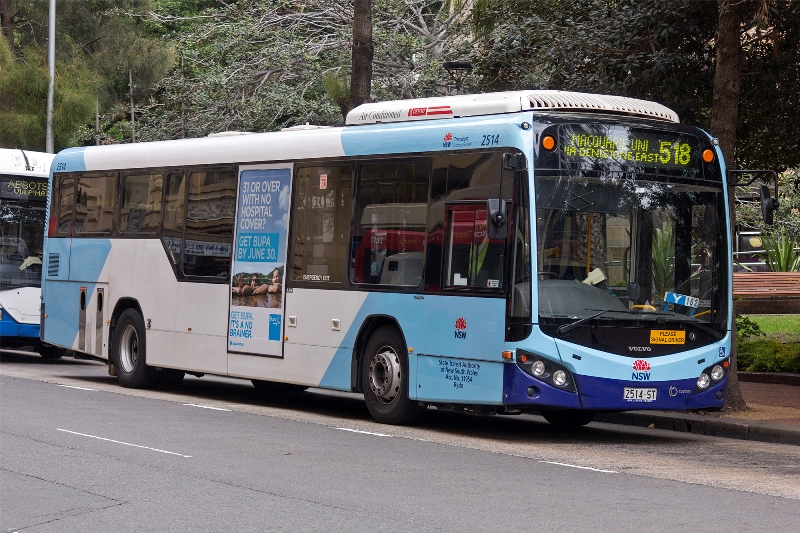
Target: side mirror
768, 205
496, 224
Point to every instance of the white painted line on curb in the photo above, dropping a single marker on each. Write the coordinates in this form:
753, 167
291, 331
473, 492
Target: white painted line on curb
205, 407
364, 432
120, 442
581, 467
74, 387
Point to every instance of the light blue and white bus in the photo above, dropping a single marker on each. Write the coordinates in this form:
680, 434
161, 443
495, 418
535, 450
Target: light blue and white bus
541, 251
23, 196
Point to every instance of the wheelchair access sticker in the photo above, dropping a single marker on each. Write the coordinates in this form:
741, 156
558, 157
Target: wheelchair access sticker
722, 352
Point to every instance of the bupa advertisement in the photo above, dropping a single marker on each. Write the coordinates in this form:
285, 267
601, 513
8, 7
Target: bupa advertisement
259, 261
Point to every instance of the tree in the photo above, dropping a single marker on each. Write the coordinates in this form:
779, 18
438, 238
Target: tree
23, 97
269, 64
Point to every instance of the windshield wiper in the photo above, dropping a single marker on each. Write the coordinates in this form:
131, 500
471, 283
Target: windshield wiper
572, 325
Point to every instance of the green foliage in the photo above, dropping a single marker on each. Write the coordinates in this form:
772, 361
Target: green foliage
768, 355
663, 258
782, 253
747, 328
23, 99
662, 51
787, 217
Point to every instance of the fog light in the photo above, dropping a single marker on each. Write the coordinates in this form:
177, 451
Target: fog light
717, 373
537, 368
703, 381
559, 378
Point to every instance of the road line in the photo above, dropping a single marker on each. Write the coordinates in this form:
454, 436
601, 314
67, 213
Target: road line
581, 467
364, 432
205, 407
74, 387
120, 442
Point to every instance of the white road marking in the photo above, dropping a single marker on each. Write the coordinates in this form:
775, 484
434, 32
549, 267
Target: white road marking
581, 467
74, 387
205, 407
120, 442
364, 432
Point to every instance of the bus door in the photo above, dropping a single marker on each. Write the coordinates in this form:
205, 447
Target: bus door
256, 318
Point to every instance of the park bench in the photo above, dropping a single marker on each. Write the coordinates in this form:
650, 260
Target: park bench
766, 292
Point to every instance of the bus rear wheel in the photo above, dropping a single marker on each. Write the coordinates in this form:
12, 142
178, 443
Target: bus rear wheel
129, 352
568, 418
384, 378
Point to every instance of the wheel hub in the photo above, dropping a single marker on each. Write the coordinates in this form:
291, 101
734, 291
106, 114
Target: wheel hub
384, 374
129, 348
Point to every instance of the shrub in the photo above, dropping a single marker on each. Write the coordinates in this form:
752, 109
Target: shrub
747, 328
768, 355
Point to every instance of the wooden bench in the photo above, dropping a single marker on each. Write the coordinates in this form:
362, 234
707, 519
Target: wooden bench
767, 292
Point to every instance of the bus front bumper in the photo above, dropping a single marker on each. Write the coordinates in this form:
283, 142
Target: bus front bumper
603, 394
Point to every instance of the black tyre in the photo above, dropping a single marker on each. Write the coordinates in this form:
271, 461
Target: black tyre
169, 378
384, 378
52, 352
568, 418
273, 388
129, 352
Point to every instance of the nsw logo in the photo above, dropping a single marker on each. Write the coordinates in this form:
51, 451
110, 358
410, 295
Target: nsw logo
461, 328
641, 370
448, 139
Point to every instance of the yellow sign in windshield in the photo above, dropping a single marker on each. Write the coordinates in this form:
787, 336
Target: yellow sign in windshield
667, 336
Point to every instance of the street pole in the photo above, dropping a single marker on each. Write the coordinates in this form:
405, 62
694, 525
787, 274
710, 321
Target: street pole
51, 63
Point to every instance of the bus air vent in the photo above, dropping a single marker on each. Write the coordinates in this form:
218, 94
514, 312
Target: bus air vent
53, 261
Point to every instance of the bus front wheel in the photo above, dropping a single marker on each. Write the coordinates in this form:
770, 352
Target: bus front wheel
129, 352
384, 378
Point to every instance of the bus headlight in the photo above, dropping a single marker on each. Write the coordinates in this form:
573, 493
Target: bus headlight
560, 378
703, 381
537, 368
717, 373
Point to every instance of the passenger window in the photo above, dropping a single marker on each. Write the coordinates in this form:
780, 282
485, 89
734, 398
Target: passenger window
66, 206
209, 224
321, 224
174, 212
140, 207
473, 259
389, 224
94, 205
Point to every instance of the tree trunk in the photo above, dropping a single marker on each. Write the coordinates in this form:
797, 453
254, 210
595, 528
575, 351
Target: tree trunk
363, 50
724, 117
7, 16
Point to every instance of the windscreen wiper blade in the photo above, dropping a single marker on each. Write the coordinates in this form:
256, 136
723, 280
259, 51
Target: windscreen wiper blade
572, 325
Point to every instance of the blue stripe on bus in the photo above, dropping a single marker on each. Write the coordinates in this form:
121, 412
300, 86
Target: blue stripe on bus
87, 258
11, 328
429, 136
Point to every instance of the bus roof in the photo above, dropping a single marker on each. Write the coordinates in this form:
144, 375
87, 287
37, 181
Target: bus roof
13, 161
468, 105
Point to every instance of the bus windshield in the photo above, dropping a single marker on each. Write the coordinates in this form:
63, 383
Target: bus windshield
21, 239
637, 246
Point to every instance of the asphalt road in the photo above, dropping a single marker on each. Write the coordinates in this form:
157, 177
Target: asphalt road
80, 453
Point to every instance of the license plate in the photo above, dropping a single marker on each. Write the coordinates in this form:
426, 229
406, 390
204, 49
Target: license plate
640, 395
667, 336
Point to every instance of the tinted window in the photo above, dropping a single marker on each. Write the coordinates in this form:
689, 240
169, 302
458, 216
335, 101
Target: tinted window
321, 223
209, 223
94, 205
174, 212
389, 224
66, 204
140, 206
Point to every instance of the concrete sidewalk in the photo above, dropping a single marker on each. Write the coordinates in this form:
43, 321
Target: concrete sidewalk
773, 413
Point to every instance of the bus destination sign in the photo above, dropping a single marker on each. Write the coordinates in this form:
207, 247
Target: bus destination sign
23, 188
600, 146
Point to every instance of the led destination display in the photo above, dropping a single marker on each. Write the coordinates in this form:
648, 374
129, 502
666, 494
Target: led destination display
593, 146
23, 188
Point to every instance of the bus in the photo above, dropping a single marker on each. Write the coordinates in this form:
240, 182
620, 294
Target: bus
530, 251
23, 197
